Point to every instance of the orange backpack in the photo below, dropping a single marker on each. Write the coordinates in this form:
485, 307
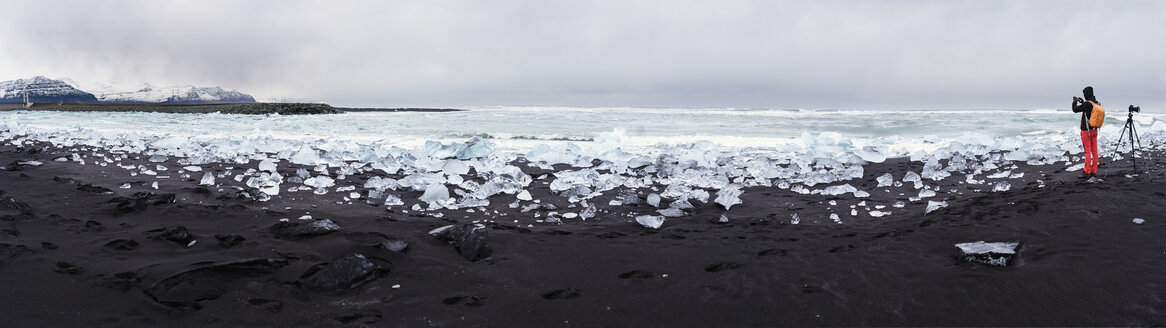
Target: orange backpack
1097, 117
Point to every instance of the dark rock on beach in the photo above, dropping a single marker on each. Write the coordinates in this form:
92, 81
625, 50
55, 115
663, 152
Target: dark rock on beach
208, 281
303, 229
342, 274
139, 201
468, 239
178, 235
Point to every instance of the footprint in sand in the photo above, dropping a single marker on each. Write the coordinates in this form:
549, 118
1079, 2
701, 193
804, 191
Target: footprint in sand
464, 300
273, 306
361, 317
772, 252
563, 294
123, 245
637, 274
722, 266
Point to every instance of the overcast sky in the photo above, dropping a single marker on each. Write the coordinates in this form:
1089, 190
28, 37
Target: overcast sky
767, 54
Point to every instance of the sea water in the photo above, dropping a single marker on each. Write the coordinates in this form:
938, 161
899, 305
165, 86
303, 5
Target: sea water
518, 129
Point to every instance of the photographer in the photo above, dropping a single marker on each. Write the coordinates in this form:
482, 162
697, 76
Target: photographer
1088, 133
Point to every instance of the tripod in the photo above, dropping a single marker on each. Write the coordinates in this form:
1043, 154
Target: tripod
1134, 149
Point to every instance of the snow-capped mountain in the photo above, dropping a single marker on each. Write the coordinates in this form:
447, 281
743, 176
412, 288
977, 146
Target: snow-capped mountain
46, 90
43, 90
148, 94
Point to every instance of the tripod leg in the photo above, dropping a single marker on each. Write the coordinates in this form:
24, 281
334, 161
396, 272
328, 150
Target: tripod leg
1133, 152
1121, 135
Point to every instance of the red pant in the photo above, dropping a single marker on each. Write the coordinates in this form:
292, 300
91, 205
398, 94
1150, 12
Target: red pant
1089, 139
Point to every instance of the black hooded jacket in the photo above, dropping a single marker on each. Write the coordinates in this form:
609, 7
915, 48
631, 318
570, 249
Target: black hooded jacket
1085, 108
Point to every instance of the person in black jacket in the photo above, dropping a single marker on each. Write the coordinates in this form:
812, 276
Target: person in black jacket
1088, 133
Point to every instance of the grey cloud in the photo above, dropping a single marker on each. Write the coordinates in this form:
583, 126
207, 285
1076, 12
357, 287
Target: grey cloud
820, 54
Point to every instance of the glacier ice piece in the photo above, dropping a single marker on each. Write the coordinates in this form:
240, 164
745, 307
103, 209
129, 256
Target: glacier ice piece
267, 165
933, 205
794, 219
885, 180
650, 221
192, 168
672, 212
729, 196
208, 179
381, 184
924, 193
911, 176
654, 200
319, 182
524, 195
998, 254
1000, 175
1001, 186
588, 213
436, 195
393, 200
453, 166
835, 218
1139, 221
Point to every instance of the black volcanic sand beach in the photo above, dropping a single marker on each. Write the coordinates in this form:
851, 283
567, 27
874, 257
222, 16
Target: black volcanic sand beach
78, 250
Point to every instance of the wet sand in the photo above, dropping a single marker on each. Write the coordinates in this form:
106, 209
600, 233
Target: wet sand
78, 250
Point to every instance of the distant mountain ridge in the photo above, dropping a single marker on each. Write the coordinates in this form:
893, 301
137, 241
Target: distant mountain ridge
42, 90
148, 94
45, 90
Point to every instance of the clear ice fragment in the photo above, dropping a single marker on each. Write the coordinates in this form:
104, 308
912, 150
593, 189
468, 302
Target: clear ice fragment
933, 205
208, 179
729, 196
1001, 186
650, 221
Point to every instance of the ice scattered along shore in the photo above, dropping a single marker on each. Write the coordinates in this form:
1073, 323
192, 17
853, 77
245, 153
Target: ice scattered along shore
468, 174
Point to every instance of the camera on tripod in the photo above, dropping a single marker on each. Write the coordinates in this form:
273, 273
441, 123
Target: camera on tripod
1135, 109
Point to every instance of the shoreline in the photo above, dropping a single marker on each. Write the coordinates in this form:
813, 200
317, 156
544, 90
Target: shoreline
70, 251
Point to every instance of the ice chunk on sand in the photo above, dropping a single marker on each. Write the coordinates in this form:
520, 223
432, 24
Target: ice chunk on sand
729, 196
319, 182
988, 253
654, 200
476, 147
436, 195
1001, 186
650, 221
926, 193
911, 176
454, 166
588, 212
835, 218
1139, 221
208, 179
794, 219
1000, 175
672, 212
266, 165
877, 213
870, 154
886, 180
932, 206
524, 195
192, 168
